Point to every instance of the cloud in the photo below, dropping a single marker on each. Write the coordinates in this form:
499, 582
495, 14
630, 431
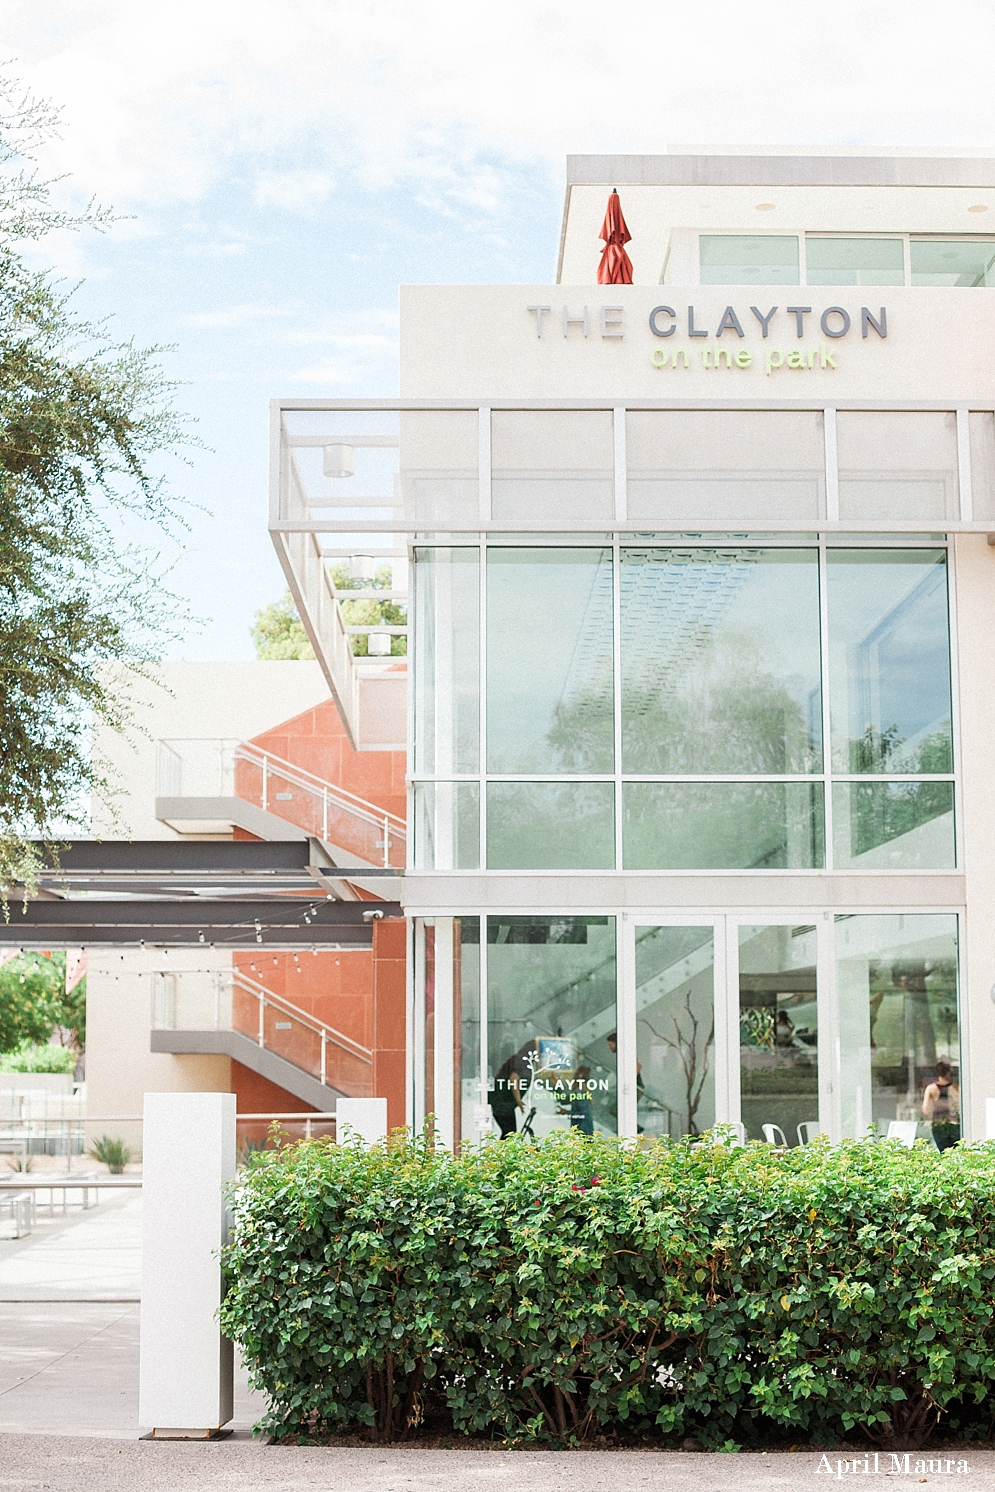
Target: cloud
163, 104
293, 191
233, 316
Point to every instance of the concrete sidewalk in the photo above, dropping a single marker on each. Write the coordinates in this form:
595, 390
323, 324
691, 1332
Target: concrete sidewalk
91, 1254
69, 1326
72, 1465
72, 1369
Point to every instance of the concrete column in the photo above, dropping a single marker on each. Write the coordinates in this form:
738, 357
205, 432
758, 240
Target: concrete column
186, 1365
974, 574
366, 1117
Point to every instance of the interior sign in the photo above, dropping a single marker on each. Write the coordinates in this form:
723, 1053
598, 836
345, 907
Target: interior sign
833, 323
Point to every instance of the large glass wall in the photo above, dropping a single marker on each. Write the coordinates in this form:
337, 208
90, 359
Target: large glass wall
843, 1025
685, 704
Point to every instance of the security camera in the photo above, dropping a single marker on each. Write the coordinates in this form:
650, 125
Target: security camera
372, 916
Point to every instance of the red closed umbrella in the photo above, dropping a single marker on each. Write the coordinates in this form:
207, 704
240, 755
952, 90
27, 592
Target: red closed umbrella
616, 266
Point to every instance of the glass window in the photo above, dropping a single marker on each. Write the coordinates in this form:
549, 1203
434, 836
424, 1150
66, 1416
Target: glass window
728, 464
897, 464
549, 660
753, 260
893, 826
551, 1024
473, 1120
779, 1032
854, 261
550, 825
889, 650
447, 825
721, 661
675, 1030
447, 660
723, 826
428, 1097
952, 263
898, 1028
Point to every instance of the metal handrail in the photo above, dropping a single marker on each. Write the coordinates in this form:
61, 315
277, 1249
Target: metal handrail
329, 794
310, 1022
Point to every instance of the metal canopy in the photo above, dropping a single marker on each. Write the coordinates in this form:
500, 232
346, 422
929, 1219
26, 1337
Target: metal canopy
222, 893
165, 868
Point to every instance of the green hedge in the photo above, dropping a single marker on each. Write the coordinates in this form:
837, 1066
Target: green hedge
581, 1288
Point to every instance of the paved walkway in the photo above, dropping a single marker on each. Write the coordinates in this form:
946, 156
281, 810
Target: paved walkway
91, 1254
69, 1319
72, 1369
65, 1465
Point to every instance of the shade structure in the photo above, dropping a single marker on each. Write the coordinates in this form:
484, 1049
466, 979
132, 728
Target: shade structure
615, 267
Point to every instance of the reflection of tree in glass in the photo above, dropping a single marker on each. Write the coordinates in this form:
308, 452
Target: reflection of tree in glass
583, 729
694, 1060
715, 708
881, 812
881, 751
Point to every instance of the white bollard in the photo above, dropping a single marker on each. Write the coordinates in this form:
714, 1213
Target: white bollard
366, 1117
186, 1365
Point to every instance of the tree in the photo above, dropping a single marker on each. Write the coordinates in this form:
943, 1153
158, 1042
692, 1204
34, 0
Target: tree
33, 1002
279, 633
82, 417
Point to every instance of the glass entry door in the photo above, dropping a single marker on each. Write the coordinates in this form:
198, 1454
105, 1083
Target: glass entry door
675, 1029
778, 1032
724, 1028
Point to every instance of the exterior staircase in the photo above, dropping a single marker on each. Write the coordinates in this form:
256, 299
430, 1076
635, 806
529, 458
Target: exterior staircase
272, 1037
272, 799
212, 787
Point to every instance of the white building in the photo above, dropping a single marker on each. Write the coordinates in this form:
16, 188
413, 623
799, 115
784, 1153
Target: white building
703, 685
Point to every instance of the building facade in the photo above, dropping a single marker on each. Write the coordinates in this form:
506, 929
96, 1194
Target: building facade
702, 695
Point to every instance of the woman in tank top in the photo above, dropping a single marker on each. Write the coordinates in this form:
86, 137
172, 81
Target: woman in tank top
941, 1105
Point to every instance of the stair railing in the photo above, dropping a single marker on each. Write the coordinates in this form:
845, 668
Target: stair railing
328, 794
327, 1035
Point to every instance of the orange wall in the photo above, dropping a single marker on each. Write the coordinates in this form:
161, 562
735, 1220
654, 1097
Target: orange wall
335, 987
257, 1095
389, 1007
317, 741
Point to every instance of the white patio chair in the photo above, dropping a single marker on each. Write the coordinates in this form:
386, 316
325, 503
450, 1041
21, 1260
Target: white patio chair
807, 1131
774, 1135
903, 1130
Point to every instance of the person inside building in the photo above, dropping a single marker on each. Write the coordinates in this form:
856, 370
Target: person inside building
579, 1103
505, 1098
941, 1105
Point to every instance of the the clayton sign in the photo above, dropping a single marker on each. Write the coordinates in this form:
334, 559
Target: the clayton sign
834, 323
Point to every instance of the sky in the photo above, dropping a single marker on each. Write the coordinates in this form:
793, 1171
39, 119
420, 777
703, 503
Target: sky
279, 167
